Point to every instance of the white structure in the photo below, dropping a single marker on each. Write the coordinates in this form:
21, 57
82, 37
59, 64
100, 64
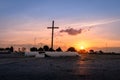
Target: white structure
34, 54
52, 54
61, 54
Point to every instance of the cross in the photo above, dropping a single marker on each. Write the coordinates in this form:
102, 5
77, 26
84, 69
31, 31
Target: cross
52, 32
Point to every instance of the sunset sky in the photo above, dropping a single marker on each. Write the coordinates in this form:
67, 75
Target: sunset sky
88, 23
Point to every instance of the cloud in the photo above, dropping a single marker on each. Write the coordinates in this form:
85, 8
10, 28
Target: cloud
72, 31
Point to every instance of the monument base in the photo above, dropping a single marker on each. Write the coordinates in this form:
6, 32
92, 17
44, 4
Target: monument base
52, 54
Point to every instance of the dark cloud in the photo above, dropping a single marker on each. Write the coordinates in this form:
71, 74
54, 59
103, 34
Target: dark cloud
72, 31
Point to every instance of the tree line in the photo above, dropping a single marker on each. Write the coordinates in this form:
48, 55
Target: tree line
46, 48
9, 49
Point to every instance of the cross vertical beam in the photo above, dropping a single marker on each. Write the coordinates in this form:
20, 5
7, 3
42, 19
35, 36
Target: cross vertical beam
52, 37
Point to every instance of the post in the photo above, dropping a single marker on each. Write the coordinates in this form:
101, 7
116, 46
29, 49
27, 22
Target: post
52, 37
52, 34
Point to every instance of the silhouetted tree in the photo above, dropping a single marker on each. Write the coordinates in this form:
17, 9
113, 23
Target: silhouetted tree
40, 49
8, 49
1, 49
19, 50
33, 49
91, 51
101, 52
23, 49
51, 49
72, 49
83, 51
11, 49
46, 48
59, 49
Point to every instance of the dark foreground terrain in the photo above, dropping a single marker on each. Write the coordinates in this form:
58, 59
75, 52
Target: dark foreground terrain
88, 67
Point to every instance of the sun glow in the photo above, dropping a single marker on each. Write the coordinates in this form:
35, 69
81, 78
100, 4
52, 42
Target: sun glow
82, 47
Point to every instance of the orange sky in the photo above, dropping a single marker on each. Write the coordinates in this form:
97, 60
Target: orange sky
98, 36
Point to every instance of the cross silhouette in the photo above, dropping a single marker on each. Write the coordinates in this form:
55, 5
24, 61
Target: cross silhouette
52, 32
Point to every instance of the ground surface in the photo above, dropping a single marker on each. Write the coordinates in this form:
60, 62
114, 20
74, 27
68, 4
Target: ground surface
88, 67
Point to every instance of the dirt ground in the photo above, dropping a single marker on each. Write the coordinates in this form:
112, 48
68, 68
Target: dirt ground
86, 67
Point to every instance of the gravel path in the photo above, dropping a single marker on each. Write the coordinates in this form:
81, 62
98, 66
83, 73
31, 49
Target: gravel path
88, 67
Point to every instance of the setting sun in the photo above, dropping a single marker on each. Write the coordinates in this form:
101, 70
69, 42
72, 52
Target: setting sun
82, 47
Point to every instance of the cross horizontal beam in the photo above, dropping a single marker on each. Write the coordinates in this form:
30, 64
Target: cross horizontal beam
52, 27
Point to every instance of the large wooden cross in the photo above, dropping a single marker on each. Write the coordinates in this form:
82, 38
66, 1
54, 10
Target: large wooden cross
52, 33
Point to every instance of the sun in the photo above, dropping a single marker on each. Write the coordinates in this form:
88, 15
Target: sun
82, 47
